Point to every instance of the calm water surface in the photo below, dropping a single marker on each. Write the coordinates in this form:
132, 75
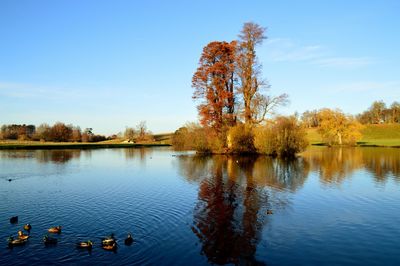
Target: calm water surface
330, 206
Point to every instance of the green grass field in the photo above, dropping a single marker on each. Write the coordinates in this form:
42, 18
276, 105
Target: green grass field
381, 135
373, 135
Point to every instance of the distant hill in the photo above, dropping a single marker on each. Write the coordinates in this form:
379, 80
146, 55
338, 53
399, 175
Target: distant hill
385, 135
381, 135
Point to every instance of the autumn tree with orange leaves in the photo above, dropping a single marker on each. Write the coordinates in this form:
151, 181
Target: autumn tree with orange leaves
214, 83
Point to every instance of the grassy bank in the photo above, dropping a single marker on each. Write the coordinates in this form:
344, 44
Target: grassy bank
163, 138
159, 140
381, 135
48, 146
33, 145
386, 135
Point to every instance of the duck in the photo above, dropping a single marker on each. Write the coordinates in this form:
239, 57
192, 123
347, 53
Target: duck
27, 227
112, 246
22, 236
55, 230
14, 219
15, 242
109, 240
129, 239
87, 245
49, 240
270, 212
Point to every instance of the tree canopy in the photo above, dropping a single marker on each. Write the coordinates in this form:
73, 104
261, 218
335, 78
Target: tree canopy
214, 83
229, 84
337, 128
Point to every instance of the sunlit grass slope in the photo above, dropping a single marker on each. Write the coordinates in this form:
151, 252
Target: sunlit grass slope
379, 135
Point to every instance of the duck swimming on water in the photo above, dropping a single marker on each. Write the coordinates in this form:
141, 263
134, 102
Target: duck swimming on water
27, 227
55, 230
112, 246
49, 240
129, 240
109, 240
109, 243
14, 219
15, 242
85, 245
22, 236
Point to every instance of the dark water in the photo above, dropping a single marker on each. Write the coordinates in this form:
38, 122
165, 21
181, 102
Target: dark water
330, 207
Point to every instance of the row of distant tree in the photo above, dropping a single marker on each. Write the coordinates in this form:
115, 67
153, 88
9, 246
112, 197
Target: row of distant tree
59, 132
377, 113
138, 134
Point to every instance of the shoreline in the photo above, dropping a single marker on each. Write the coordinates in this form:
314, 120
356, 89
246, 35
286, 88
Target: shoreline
82, 146
358, 145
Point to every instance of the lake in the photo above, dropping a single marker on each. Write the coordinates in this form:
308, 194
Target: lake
329, 206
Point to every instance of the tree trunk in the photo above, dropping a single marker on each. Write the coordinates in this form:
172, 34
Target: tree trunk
339, 138
247, 114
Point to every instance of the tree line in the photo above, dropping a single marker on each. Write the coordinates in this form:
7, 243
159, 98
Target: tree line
377, 113
59, 132
138, 134
336, 127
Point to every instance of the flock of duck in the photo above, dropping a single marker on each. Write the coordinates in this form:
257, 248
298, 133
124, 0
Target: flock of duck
107, 243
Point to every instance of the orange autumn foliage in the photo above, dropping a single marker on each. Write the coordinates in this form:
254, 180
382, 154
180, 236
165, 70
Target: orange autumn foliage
214, 83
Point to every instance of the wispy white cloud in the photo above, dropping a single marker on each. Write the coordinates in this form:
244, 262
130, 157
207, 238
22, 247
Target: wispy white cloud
286, 50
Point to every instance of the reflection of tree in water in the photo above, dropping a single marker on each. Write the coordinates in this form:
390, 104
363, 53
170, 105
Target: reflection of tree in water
134, 153
16, 154
382, 163
233, 199
281, 174
56, 156
334, 165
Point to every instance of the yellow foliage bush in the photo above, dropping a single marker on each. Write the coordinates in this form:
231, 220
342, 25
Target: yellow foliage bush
284, 137
241, 139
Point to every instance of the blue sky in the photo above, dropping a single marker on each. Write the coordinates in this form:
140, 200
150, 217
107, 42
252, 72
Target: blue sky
112, 64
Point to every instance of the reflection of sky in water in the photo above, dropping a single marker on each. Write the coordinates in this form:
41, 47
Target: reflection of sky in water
337, 206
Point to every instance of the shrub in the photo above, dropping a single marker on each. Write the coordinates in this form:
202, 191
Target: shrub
241, 139
264, 140
179, 139
202, 139
284, 137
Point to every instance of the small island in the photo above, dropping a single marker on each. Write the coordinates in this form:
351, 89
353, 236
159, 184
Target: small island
234, 105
